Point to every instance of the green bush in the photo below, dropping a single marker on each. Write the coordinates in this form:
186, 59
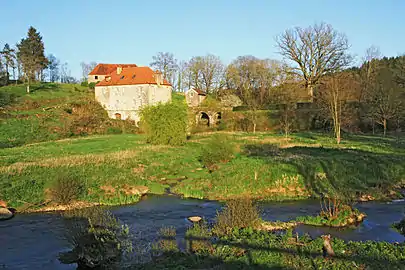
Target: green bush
97, 239
218, 149
165, 123
66, 189
6, 98
92, 85
237, 214
84, 84
400, 227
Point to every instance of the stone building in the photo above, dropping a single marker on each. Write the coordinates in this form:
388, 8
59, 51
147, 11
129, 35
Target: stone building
194, 97
126, 90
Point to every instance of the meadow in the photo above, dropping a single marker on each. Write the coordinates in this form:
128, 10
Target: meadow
58, 132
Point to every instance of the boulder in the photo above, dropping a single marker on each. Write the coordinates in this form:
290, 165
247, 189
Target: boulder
194, 219
5, 213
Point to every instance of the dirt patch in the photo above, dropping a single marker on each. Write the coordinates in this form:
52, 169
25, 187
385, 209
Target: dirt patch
108, 190
59, 207
277, 226
134, 190
139, 169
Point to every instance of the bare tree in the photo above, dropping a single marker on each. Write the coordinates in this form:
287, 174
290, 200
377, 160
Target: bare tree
165, 63
314, 51
87, 68
252, 79
385, 98
334, 92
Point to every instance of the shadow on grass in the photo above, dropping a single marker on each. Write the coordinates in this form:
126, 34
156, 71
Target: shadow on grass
294, 256
350, 172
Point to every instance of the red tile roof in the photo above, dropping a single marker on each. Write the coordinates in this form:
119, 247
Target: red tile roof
199, 91
130, 76
105, 69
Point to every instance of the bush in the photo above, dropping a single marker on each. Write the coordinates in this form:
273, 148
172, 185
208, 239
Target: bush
218, 149
92, 85
400, 227
6, 98
84, 84
237, 214
97, 238
66, 189
165, 123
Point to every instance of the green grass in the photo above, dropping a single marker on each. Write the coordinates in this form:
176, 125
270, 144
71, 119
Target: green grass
249, 249
39, 139
262, 169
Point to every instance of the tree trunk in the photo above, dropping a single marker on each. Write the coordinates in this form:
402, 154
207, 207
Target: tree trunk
385, 126
338, 135
254, 127
28, 85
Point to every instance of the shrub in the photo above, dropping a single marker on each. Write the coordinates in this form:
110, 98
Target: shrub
84, 84
6, 98
97, 238
400, 227
165, 123
92, 85
218, 149
167, 242
66, 189
237, 214
199, 238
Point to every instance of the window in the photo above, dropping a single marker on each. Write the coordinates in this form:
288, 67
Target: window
118, 116
133, 76
191, 94
96, 77
122, 77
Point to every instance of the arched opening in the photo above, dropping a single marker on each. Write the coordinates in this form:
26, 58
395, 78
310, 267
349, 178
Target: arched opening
204, 119
218, 117
117, 116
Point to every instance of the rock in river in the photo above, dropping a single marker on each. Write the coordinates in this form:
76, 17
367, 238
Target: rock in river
195, 219
5, 213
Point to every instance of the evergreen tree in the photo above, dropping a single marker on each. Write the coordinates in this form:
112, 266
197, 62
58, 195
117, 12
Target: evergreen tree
9, 60
31, 53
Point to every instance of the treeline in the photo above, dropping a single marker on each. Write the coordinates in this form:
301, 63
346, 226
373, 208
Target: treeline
316, 70
26, 62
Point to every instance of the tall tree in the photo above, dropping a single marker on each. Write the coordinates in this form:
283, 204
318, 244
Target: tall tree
31, 53
212, 73
53, 68
314, 51
333, 95
9, 60
165, 63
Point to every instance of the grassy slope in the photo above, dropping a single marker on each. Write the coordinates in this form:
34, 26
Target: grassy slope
116, 160
265, 167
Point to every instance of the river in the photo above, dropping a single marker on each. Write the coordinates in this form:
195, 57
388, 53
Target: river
33, 241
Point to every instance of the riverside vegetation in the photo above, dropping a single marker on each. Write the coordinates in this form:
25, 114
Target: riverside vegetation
235, 240
59, 131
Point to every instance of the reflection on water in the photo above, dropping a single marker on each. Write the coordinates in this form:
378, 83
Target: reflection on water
33, 241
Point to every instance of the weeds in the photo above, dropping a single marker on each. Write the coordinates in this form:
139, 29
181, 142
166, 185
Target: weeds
239, 213
66, 189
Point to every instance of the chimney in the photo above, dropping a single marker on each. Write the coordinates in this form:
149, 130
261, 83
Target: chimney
119, 70
158, 77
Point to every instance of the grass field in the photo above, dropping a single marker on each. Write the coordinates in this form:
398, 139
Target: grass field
37, 147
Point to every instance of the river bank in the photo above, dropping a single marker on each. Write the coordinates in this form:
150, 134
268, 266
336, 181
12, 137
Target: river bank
25, 232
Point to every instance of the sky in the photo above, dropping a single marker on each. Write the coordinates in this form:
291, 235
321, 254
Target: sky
132, 31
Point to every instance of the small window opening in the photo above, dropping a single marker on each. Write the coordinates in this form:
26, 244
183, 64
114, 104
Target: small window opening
96, 77
122, 77
118, 116
133, 76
